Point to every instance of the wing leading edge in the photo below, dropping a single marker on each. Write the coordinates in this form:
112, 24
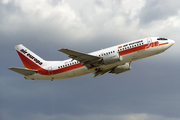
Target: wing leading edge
88, 60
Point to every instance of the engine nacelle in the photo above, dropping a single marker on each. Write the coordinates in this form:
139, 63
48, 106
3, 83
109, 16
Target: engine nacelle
121, 68
112, 58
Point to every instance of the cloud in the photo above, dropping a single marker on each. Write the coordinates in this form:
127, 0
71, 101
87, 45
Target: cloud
85, 21
158, 10
142, 116
61, 18
44, 17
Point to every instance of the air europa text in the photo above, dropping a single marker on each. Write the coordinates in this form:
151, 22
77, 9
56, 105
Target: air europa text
31, 56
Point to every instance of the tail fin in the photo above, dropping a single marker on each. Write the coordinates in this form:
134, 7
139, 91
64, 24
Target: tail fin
29, 59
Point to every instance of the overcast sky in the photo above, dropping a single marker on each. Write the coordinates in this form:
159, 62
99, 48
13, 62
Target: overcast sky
149, 91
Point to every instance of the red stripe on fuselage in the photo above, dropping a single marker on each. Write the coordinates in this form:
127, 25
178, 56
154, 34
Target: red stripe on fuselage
164, 43
138, 48
131, 50
68, 68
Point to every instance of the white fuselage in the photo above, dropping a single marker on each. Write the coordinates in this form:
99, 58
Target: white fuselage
128, 52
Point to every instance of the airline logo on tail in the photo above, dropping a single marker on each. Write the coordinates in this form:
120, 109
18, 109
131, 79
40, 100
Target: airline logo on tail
31, 57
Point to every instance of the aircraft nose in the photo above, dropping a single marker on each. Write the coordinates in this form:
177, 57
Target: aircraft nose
171, 42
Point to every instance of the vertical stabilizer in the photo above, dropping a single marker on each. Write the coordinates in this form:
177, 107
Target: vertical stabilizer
29, 59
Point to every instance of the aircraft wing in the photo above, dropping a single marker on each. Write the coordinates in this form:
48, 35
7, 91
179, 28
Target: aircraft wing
23, 71
87, 59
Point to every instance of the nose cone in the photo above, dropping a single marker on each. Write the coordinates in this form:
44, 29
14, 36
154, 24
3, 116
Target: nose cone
171, 42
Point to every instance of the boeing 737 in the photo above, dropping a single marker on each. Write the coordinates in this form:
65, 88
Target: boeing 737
113, 60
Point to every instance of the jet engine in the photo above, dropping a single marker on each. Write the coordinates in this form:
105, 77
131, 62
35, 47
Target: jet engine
121, 68
111, 58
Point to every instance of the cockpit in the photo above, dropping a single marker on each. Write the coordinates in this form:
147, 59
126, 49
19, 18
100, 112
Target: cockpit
162, 39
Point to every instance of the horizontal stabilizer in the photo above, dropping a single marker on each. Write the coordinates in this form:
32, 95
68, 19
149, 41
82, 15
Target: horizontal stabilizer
23, 71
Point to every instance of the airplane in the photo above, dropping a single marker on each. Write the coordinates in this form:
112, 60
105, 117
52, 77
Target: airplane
113, 60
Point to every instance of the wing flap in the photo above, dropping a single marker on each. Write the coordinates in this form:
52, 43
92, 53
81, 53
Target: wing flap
23, 71
102, 72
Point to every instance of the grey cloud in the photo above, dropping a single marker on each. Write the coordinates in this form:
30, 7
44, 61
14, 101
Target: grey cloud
99, 2
158, 10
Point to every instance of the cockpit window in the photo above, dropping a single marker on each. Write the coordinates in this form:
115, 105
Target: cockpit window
162, 39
